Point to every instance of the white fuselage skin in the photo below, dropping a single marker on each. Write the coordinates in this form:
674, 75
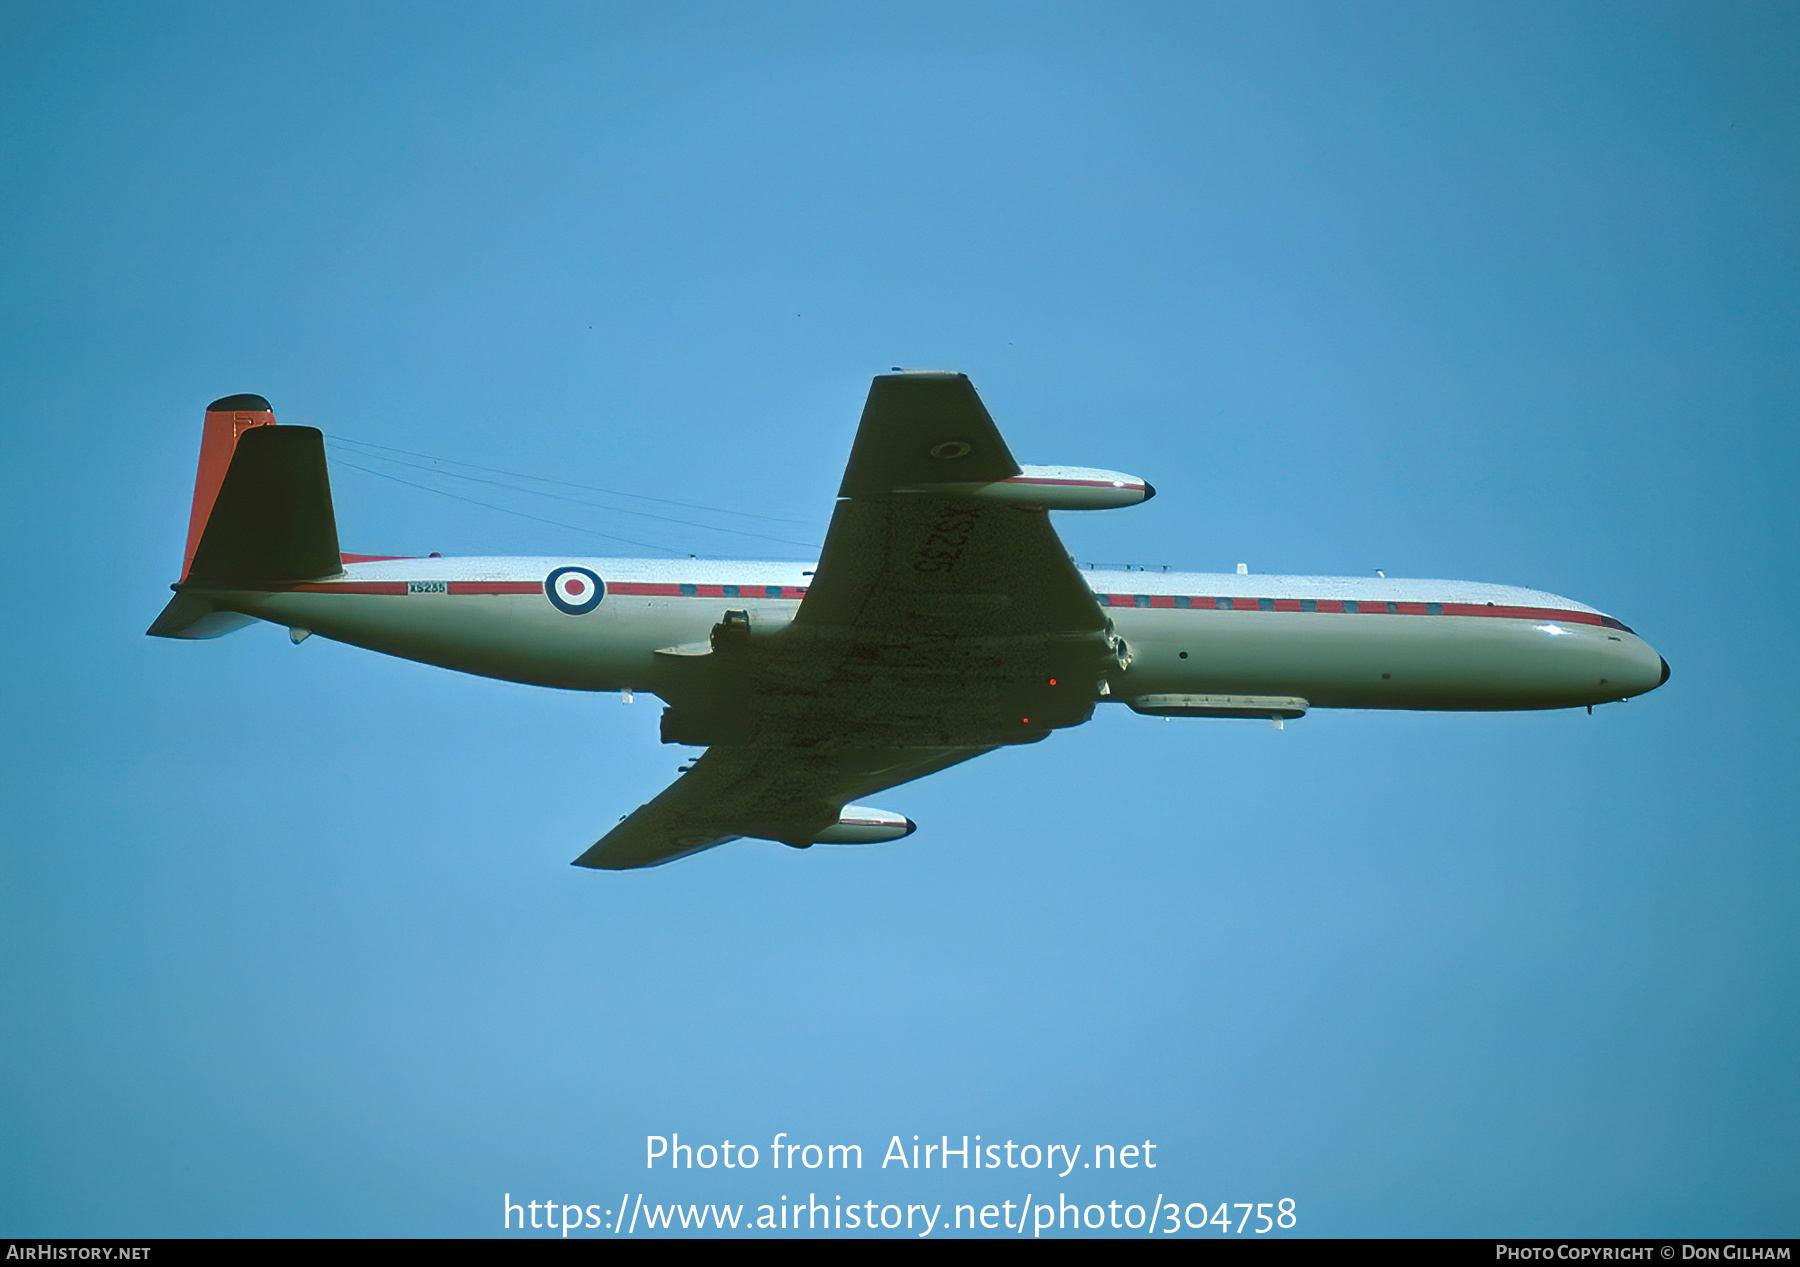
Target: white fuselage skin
1336, 642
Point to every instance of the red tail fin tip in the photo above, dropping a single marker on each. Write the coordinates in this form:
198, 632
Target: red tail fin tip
226, 420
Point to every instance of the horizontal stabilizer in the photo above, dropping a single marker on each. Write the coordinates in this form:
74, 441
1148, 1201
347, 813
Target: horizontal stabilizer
190, 616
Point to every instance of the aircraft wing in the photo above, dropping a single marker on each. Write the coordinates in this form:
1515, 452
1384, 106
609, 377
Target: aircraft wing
936, 617
907, 554
781, 794
938, 626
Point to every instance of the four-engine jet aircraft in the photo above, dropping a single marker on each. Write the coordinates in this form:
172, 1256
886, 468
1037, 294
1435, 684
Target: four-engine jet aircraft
943, 619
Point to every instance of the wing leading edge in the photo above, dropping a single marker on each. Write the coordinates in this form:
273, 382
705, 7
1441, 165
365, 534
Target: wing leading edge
937, 627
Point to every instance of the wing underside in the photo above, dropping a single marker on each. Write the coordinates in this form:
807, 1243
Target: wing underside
771, 793
936, 628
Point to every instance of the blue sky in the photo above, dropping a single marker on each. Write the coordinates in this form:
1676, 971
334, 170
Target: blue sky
1502, 293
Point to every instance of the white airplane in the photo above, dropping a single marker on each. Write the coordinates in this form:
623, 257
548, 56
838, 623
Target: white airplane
943, 619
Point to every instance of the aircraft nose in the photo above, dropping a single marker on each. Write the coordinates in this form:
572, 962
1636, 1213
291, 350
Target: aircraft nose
1632, 666
1639, 669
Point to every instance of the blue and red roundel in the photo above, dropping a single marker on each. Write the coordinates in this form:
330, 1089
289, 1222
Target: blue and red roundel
574, 591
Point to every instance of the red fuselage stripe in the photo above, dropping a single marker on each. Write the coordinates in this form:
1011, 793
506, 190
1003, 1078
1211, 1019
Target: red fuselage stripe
496, 587
659, 589
1361, 606
338, 587
649, 588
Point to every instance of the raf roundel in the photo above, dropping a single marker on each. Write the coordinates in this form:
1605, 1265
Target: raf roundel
574, 591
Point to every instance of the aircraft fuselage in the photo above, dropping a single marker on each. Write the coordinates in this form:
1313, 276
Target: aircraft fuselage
1332, 642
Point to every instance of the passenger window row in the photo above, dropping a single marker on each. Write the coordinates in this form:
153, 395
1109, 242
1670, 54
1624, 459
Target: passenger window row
734, 591
1349, 605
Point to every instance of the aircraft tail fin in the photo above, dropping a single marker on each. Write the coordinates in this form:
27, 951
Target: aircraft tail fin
262, 502
226, 419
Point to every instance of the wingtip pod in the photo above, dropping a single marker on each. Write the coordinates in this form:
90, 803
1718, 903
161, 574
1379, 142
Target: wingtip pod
1065, 488
866, 825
